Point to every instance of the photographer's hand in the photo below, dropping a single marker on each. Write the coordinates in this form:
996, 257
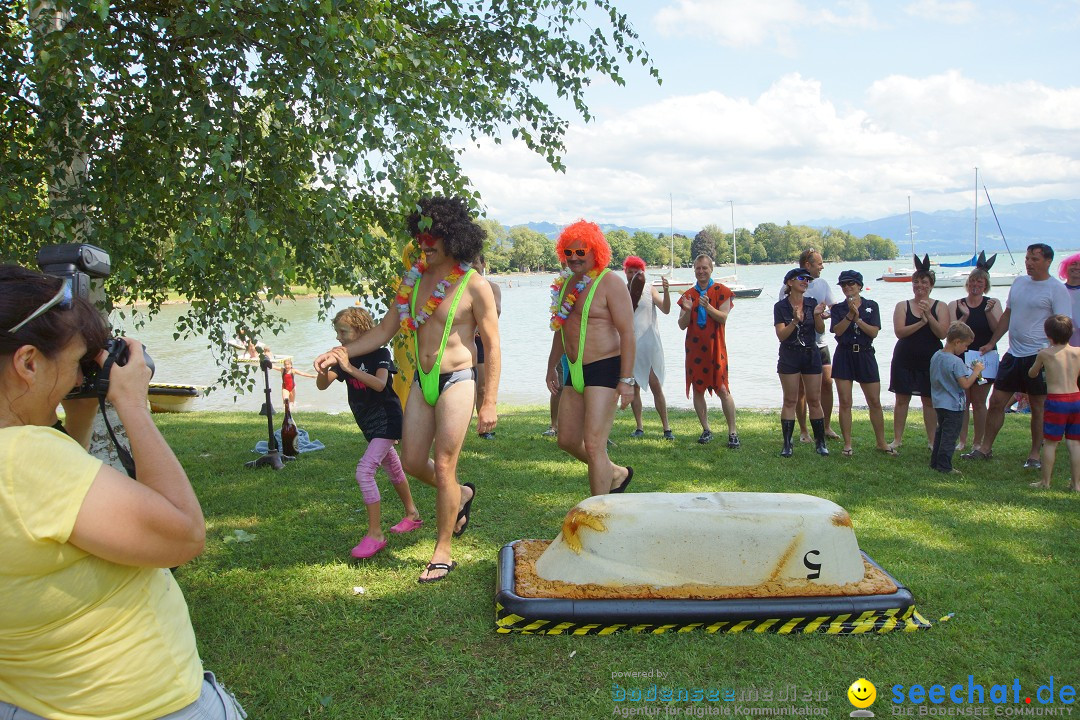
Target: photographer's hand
128, 383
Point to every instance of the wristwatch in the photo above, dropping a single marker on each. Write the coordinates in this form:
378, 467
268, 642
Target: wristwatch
628, 381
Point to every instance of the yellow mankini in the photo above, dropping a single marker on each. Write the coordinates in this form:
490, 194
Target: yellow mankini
80, 637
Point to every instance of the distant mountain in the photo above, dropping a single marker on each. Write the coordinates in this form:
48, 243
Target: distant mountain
552, 230
1054, 222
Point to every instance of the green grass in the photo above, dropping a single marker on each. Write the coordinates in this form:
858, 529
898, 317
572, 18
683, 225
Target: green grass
277, 619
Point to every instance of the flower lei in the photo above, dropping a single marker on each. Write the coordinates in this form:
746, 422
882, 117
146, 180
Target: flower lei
405, 289
559, 312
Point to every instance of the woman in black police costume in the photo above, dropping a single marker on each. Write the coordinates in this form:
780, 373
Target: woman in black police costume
796, 319
855, 323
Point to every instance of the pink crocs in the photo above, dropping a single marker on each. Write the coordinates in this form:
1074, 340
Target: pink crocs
407, 524
367, 547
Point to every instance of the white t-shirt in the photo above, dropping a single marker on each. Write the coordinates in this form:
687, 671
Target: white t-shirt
1030, 303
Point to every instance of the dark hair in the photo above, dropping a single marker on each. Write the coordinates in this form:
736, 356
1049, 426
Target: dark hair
920, 274
24, 291
1059, 328
452, 223
1046, 250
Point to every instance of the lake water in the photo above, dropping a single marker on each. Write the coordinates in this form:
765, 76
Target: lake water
526, 339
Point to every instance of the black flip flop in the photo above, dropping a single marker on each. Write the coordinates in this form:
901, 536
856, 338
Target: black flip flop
448, 567
464, 512
626, 482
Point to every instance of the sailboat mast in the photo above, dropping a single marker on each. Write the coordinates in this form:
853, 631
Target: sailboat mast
910, 232
976, 212
671, 232
734, 250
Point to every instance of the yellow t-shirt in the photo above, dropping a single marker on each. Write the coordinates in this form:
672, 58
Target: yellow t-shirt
80, 637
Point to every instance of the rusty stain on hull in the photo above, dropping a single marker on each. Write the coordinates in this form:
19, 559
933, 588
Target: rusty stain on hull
574, 521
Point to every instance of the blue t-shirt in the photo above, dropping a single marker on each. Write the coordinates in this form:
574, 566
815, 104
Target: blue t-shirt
945, 391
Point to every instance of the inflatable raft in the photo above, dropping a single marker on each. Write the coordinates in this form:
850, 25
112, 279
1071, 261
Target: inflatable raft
718, 562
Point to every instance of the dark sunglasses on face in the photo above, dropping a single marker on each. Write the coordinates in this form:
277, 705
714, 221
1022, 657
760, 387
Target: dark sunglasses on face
803, 278
580, 252
848, 282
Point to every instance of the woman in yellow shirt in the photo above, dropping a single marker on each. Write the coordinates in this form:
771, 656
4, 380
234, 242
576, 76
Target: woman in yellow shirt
93, 625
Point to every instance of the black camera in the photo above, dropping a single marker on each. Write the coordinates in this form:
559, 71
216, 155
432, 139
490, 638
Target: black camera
80, 264
96, 379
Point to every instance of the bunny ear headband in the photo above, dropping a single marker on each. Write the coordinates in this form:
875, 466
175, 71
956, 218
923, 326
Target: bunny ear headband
923, 264
982, 263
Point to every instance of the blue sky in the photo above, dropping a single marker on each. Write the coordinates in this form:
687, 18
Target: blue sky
798, 110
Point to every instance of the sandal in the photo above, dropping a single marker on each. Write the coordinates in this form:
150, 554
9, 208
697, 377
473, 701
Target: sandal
465, 510
437, 566
847, 452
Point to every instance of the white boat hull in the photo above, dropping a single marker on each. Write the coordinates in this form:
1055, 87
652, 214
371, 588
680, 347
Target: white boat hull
959, 279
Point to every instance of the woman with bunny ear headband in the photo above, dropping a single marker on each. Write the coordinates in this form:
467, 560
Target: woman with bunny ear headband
981, 314
920, 324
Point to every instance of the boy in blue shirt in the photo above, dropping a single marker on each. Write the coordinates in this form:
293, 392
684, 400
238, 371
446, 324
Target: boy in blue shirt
949, 378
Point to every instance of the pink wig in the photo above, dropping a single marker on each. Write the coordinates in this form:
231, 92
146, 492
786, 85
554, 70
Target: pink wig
1063, 270
633, 262
590, 236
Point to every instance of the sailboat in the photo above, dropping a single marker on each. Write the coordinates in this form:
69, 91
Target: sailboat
732, 281
678, 285
904, 275
959, 277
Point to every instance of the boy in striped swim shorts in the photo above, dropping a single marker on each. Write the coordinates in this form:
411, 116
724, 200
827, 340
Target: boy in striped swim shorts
1061, 362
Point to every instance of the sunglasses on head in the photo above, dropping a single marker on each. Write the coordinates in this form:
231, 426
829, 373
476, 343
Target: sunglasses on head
580, 252
61, 298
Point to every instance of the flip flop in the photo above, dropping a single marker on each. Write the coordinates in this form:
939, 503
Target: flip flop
847, 452
626, 482
464, 512
448, 567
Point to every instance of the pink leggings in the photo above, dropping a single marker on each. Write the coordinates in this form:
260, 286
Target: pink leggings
380, 451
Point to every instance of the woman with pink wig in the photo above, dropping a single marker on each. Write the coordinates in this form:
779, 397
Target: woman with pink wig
1069, 271
649, 353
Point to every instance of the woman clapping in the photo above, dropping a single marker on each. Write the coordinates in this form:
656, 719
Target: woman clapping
920, 324
796, 319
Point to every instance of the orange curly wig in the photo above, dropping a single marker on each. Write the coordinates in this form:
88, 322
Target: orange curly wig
590, 236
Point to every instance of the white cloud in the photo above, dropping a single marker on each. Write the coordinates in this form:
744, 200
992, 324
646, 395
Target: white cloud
791, 154
737, 23
956, 12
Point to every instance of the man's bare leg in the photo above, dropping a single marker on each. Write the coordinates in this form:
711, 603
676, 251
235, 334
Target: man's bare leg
1038, 409
584, 426
995, 418
701, 407
443, 426
727, 404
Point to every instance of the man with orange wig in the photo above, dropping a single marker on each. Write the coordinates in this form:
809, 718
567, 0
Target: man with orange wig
593, 320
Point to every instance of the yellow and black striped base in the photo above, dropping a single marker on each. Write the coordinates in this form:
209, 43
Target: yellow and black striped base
898, 619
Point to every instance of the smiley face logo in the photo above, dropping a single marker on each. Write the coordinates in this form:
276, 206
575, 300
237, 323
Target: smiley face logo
862, 693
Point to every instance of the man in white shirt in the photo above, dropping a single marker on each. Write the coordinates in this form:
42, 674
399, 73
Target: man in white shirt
1032, 299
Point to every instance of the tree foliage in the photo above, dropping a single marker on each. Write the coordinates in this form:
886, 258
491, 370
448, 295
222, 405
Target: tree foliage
240, 147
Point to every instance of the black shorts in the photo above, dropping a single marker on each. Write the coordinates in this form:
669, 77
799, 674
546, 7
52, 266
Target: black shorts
799, 361
857, 363
602, 373
826, 356
1012, 376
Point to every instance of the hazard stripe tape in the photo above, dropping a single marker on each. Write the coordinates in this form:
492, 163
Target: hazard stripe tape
872, 621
